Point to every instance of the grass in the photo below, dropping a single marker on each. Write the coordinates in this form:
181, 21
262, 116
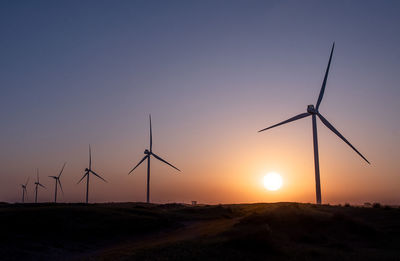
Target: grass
136, 231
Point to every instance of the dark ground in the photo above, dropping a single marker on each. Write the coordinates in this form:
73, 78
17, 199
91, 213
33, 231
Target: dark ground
137, 231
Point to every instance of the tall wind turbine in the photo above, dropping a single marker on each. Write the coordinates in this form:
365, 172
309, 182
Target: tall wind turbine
149, 153
37, 183
87, 174
24, 190
314, 112
58, 182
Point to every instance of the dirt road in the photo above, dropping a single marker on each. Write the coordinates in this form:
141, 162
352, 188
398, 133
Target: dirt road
189, 231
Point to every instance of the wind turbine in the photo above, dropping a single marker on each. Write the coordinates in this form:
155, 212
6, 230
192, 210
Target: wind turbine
58, 182
87, 174
24, 190
37, 183
314, 112
149, 153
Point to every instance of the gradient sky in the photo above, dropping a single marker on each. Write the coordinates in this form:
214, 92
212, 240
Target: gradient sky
211, 73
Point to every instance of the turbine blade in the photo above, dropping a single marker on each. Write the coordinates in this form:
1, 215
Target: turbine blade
140, 162
62, 169
157, 157
37, 174
151, 135
297, 117
90, 157
41, 185
59, 182
321, 93
82, 177
330, 126
52, 177
94, 173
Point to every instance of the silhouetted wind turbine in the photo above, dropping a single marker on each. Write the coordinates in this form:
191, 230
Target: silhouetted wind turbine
37, 183
311, 111
87, 174
149, 153
24, 190
58, 182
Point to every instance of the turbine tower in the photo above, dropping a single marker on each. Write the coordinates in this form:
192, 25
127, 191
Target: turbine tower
58, 182
87, 174
37, 183
24, 190
314, 113
148, 153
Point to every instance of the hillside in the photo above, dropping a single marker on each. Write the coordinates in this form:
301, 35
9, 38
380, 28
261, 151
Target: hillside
137, 231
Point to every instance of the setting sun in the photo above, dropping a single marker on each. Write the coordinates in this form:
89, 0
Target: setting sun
272, 181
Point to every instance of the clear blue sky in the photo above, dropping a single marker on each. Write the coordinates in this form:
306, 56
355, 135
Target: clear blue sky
211, 73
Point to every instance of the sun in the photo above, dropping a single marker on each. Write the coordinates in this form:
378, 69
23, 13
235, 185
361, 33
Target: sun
273, 181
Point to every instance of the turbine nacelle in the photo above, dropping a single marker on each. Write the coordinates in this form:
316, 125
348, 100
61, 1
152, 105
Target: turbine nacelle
311, 109
86, 170
147, 152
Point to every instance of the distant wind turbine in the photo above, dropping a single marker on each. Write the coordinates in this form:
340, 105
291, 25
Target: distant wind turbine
58, 182
37, 183
149, 153
311, 111
87, 174
24, 190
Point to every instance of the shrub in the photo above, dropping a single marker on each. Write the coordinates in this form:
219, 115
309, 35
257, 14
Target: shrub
376, 205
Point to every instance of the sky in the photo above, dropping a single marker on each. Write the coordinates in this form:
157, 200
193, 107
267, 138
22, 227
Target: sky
211, 74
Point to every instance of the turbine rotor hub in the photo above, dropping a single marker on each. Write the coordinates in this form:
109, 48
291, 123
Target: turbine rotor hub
311, 109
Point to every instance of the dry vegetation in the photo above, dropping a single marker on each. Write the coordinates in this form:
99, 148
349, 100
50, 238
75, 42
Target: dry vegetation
135, 231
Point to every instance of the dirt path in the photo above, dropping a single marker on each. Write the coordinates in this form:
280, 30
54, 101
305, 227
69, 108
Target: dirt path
189, 231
